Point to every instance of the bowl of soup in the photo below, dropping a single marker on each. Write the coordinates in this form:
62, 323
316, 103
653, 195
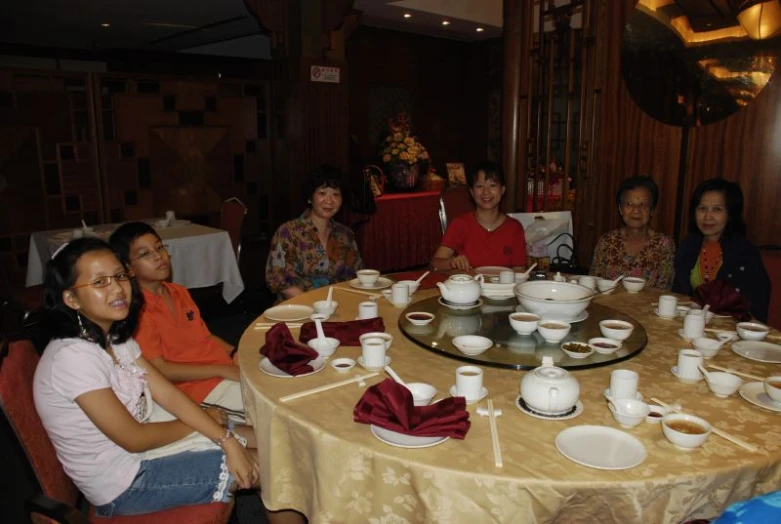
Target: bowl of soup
751, 330
616, 329
685, 431
553, 331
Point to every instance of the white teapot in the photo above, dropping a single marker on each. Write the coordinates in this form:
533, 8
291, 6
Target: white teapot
549, 389
461, 289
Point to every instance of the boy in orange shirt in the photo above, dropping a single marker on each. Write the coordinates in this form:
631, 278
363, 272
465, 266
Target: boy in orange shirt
171, 333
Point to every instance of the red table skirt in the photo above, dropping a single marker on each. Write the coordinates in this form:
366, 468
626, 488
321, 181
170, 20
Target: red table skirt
403, 233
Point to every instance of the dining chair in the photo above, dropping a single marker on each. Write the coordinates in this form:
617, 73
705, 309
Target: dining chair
232, 215
20, 305
453, 201
60, 497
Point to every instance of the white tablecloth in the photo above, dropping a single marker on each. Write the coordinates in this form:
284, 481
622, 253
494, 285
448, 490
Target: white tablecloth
200, 256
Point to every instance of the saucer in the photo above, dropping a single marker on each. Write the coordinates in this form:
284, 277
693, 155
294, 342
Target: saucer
638, 395
483, 394
754, 392
576, 410
656, 311
460, 307
685, 380
381, 283
363, 365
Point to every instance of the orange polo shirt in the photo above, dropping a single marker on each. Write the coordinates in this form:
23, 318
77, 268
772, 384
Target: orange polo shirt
180, 337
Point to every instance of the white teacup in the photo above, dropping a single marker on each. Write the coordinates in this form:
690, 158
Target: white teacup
400, 294
623, 383
323, 307
367, 309
689, 361
368, 277
668, 306
469, 382
588, 281
170, 216
773, 388
506, 277
373, 352
693, 326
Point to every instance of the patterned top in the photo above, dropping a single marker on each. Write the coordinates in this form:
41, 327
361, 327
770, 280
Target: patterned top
654, 263
297, 258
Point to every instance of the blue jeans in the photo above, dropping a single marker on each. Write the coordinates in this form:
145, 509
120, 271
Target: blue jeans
189, 478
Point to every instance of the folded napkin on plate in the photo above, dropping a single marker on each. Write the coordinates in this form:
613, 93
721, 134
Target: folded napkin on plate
346, 332
723, 300
285, 353
389, 405
427, 283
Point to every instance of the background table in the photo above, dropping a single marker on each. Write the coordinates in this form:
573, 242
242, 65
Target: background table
315, 459
200, 256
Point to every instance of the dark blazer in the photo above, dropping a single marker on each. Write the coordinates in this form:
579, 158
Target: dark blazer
741, 267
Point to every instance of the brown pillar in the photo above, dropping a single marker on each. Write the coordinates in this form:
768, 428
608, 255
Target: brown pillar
511, 99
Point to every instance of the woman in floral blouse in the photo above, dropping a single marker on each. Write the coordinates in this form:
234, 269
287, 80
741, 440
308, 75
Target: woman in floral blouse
636, 249
313, 250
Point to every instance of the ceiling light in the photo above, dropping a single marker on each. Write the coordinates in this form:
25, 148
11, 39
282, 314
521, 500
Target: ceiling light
407, 15
760, 20
479, 29
105, 24
445, 22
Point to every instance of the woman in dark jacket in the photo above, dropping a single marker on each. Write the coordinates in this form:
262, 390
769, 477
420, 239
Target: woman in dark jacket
717, 248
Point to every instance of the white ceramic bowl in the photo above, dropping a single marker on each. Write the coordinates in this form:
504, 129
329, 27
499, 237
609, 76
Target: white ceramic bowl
752, 330
655, 414
603, 284
550, 298
411, 284
681, 439
723, 384
551, 334
416, 318
599, 345
773, 388
524, 323
368, 277
616, 329
325, 347
632, 412
707, 346
472, 345
343, 365
321, 307
422, 393
633, 284
568, 348
386, 337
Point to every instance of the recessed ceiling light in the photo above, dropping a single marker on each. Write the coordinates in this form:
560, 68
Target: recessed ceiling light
407, 15
445, 22
105, 24
479, 29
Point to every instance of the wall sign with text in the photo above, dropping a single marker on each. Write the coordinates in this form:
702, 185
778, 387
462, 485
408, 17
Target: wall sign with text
324, 74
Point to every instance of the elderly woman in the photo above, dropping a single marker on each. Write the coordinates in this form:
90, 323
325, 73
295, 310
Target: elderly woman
313, 250
717, 249
486, 236
635, 249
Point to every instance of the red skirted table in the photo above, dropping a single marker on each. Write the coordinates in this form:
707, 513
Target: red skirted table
403, 233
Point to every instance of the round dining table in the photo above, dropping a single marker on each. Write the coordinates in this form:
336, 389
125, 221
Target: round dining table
315, 459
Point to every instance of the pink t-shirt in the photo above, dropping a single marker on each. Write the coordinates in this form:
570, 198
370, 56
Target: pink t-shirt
70, 367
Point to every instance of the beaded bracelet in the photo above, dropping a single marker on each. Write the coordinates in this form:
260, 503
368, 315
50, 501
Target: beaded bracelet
223, 439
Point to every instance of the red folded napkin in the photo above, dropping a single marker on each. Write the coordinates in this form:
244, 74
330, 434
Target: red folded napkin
285, 353
723, 300
347, 332
389, 405
427, 283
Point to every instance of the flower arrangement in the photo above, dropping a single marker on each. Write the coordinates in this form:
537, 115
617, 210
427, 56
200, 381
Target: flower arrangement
399, 146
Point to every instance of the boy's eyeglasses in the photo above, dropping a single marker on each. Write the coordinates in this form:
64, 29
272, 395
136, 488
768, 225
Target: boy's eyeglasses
149, 255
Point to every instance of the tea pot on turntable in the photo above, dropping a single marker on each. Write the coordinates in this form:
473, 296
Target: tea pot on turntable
461, 289
550, 390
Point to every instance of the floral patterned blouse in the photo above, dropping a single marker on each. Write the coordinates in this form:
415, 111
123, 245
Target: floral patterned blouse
297, 258
654, 263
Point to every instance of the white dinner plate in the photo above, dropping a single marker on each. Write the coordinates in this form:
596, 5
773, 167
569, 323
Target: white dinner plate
288, 312
491, 271
754, 392
759, 351
268, 368
583, 315
400, 440
600, 447
381, 283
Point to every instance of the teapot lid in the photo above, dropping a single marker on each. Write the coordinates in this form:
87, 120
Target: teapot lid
550, 372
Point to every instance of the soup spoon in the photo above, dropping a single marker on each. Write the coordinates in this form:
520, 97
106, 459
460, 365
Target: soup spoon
526, 273
319, 328
424, 275
395, 376
616, 281
704, 372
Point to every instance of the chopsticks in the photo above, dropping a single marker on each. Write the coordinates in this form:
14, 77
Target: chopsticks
326, 387
494, 435
723, 434
265, 326
738, 373
373, 295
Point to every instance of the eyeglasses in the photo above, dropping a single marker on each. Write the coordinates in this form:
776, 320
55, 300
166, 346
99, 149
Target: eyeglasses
106, 281
161, 250
636, 205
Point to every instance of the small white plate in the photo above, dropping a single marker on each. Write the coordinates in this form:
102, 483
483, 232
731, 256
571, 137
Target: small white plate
576, 413
491, 271
459, 307
454, 393
552, 316
600, 447
759, 351
754, 392
288, 312
400, 440
638, 396
363, 365
381, 283
268, 368
656, 311
686, 380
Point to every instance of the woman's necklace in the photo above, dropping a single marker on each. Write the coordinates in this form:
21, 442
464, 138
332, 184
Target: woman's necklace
489, 227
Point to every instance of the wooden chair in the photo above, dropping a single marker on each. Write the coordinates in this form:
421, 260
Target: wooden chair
453, 201
232, 215
59, 498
